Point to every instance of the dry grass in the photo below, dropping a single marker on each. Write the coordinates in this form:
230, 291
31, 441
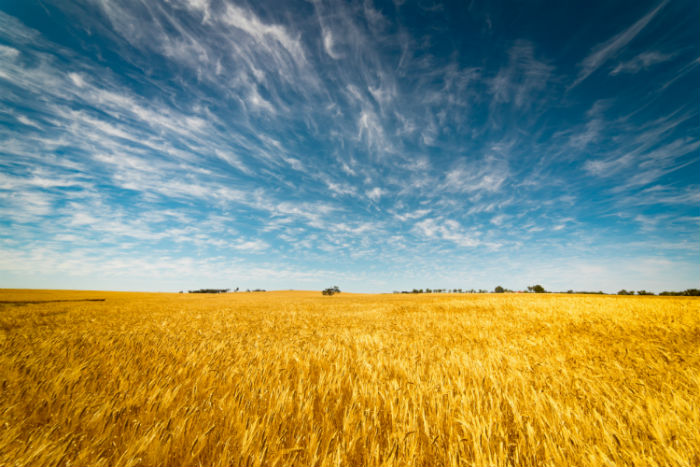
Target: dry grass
295, 378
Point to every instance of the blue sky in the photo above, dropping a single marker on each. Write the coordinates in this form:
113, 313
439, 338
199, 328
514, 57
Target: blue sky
171, 145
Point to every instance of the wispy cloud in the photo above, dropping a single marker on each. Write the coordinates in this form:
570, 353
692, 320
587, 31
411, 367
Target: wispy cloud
641, 62
449, 230
607, 50
331, 139
519, 82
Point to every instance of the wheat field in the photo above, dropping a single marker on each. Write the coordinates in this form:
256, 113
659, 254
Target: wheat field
297, 378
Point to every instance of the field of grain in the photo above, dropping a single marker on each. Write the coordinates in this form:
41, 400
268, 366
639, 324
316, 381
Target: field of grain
297, 378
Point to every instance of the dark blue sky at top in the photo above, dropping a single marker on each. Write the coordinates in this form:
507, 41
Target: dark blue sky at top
377, 145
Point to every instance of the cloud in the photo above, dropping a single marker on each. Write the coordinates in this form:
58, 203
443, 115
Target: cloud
269, 34
641, 62
251, 245
609, 49
375, 193
328, 43
665, 194
519, 82
233, 160
8, 52
487, 175
417, 214
449, 230
648, 166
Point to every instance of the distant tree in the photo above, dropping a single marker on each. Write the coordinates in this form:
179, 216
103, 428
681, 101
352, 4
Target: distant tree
498, 289
536, 288
624, 292
644, 292
428, 291
685, 293
208, 291
331, 290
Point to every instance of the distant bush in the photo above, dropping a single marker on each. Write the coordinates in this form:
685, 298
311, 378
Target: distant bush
331, 290
209, 291
685, 293
536, 288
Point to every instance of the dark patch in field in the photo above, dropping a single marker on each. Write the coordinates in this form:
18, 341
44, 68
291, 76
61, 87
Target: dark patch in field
35, 302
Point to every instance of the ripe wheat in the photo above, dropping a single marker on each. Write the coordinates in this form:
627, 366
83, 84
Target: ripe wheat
296, 378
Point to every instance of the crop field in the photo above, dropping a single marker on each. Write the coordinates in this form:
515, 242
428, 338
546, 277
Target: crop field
297, 378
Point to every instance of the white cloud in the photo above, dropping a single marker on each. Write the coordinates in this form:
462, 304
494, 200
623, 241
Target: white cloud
609, 49
268, 34
251, 245
257, 102
449, 230
641, 62
203, 6
77, 79
375, 193
411, 215
233, 160
27, 121
499, 219
488, 175
664, 194
522, 79
7, 52
328, 43
607, 167
25, 206
341, 188
370, 130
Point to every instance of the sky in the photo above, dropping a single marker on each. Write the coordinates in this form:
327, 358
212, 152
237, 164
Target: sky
378, 146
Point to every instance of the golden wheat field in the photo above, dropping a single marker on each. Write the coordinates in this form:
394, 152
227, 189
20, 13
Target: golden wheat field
297, 378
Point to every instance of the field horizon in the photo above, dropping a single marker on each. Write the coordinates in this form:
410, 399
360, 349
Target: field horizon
82, 292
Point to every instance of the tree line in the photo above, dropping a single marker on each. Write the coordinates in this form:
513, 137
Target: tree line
539, 289
222, 290
498, 289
